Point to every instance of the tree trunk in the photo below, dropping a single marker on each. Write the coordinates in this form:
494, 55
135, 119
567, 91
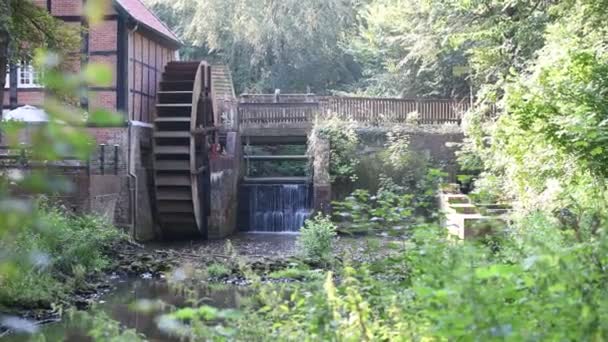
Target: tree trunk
5, 39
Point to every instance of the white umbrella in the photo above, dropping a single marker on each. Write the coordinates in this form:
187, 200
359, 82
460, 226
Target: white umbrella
26, 114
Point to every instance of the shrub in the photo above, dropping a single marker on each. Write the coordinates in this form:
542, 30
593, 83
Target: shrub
316, 239
298, 273
216, 270
343, 141
56, 255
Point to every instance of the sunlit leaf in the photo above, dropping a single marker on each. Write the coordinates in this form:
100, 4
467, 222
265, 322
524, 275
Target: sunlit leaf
102, 117
97, 74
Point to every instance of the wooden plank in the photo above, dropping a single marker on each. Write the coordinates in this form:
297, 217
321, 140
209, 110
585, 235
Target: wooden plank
172, 180
163, 149
173, 194
172, 165
175, 206
172, 134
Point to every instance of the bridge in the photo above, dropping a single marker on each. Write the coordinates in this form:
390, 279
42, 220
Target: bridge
274, 118
277, 120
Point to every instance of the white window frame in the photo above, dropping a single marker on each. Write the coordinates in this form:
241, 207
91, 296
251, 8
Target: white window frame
27, 77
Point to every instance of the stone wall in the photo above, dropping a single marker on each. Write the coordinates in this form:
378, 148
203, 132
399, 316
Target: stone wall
225, 175
321, 179
430, 142
134, 205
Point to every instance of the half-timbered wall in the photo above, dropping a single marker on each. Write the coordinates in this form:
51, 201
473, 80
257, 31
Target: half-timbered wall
147, 59
135, 76
99, 45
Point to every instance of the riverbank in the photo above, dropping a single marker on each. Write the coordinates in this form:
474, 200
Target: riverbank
221, 268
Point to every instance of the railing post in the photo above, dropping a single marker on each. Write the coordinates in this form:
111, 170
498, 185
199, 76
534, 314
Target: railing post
102, 158
22, 156
116, 159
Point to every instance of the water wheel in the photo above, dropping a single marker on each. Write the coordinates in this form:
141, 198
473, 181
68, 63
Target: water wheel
181, 164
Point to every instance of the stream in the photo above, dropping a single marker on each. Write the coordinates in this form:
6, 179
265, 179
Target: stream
117, 304
123, 292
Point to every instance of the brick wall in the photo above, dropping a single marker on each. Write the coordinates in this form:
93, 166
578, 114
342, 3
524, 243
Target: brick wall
64, 7
147, 58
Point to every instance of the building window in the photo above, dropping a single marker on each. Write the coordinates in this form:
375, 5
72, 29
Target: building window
27, 77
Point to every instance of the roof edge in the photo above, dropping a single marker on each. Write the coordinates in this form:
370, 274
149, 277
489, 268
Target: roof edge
121, 10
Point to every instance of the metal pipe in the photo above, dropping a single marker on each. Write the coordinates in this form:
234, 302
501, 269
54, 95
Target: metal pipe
132, 176
132, 182
116, 159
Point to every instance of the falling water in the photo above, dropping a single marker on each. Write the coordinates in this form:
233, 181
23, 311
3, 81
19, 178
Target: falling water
278, 207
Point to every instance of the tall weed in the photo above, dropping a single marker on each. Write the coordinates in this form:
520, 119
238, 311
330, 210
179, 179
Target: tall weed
55, 257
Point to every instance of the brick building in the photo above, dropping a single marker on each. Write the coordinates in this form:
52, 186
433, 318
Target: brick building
134, 42
137, 46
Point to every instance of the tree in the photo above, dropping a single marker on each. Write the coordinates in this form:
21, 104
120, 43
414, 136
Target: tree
402, 52
25, 27
291, 44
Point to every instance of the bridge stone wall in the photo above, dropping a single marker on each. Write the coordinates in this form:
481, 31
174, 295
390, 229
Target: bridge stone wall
432, 143
225, 175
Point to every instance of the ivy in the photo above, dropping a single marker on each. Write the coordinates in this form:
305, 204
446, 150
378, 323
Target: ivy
344, 141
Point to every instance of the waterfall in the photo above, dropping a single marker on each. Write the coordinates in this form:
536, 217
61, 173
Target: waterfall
278, 207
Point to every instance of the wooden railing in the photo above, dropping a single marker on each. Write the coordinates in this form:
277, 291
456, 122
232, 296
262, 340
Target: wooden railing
391, 110
367, 110
278, 113
281, 98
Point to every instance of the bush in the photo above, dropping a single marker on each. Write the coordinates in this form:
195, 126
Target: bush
216, 270
56, 255
299, 272
343, 142
315, 242
534, 289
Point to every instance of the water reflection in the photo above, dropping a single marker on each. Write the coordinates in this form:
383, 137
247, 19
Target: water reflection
119, 305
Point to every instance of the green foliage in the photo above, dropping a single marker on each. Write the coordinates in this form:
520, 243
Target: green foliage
101, 328
343, 143
291, 45
538, 284
402, 49
298, 273
574, 125
362, 212
217, 270
394, 209
54, 257
32, 27
547, 149
315, 241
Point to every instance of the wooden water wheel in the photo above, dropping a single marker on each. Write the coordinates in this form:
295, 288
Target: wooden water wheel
181, 163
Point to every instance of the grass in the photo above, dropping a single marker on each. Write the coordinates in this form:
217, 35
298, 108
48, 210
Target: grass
217, 270
295, 273
55, 256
